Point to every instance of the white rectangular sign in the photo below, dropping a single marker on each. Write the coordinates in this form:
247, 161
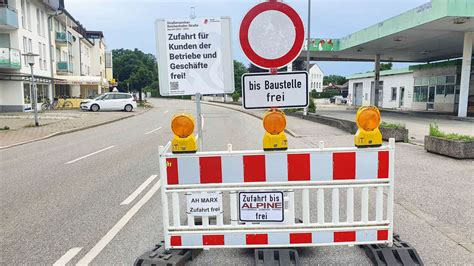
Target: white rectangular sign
282, 90
204, 204
194, 56
261, 206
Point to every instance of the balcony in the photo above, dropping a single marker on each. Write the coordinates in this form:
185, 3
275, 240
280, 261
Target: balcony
63, 67
8, 18
10, 58
63, 38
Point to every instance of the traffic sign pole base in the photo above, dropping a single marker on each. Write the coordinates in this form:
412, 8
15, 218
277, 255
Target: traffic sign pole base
159, 256
401, 253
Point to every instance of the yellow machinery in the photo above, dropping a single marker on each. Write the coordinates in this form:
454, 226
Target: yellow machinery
368, 121
274, 122
184, 141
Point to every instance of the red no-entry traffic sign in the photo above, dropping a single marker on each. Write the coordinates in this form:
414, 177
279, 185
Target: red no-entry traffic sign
271, 34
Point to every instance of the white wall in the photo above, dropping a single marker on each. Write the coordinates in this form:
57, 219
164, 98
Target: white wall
315, 78
11, 93
32, 32
397, 81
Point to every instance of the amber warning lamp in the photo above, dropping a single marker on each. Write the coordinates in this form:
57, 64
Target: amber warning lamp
184, 141
368, 121
274, 122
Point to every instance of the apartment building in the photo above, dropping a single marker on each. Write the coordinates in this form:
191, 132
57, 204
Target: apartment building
79, 60
23, 29
69, 62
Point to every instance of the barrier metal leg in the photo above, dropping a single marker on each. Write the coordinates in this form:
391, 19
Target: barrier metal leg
159, 256
272, 257
401, 253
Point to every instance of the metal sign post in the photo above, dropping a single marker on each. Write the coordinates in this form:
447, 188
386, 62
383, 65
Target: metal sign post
199, 121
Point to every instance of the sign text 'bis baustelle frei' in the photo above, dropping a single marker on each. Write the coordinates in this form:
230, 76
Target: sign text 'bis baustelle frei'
261, 206
204, 204
285, 90
194, 56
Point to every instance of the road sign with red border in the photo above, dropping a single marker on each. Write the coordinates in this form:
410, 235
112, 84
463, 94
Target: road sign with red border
271, 34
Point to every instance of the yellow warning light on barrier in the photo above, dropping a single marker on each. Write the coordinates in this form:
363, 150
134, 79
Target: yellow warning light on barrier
368, 121
184, 141
274, 122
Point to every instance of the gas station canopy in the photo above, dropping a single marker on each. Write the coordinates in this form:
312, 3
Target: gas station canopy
433, 31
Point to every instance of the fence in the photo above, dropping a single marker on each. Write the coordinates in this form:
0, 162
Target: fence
345, 194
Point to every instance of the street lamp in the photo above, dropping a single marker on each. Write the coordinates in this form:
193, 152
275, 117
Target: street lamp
30, 60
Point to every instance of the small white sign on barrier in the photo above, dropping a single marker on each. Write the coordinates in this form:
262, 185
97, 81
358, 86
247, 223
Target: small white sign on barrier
261, 206
204, 204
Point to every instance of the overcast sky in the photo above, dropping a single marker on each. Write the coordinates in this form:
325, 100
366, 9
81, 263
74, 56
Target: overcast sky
130, 23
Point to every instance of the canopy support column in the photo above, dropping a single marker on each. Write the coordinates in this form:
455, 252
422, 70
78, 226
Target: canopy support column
373, 92
465, 74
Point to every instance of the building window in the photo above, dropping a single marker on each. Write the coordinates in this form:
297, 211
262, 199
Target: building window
38, 22
449, 89
440, 89
420, 94
26, 93
40, 52
28, 15
23, 17
450, 79
45, 66
394, 93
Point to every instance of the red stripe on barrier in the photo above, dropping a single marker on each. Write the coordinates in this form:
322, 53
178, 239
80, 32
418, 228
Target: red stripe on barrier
211, 240
254, 168
298, 167
344, 165
345, 236
256, 239
383, 164
210, 169
175, 241
301, 238
382, 234
172, 171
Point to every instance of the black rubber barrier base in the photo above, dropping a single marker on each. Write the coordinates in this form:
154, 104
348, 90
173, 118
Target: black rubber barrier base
275, 257
160, 257
401, 253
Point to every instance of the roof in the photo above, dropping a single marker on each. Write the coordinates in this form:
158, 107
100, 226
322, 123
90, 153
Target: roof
431, 32
382, 73
94, 34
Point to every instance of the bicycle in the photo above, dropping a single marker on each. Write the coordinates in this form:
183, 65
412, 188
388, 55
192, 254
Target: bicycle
60, 103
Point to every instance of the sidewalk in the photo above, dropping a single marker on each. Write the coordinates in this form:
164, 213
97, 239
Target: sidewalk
417, 125
52, 123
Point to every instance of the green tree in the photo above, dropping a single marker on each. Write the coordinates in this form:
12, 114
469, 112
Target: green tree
139, 79
239, 70
387, 66
334, 79
126, 65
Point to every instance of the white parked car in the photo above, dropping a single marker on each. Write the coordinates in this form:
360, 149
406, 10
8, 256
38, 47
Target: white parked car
110, 101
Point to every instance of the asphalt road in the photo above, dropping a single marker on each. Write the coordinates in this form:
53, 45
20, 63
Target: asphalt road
73, 198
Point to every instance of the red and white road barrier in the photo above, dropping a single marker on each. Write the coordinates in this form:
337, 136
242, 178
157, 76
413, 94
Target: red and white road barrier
340, 192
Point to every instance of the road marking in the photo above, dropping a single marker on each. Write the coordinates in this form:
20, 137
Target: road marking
138, 191
149, 132
85, 156
67, 257
165, 112
118, 226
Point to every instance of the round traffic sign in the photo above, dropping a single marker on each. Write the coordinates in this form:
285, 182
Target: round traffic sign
271, 34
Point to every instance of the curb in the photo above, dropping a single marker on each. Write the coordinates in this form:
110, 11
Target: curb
72, 130
289, 131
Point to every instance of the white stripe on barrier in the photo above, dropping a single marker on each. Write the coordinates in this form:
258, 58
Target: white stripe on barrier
234, 172
321, 166
366, 165
276, 167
